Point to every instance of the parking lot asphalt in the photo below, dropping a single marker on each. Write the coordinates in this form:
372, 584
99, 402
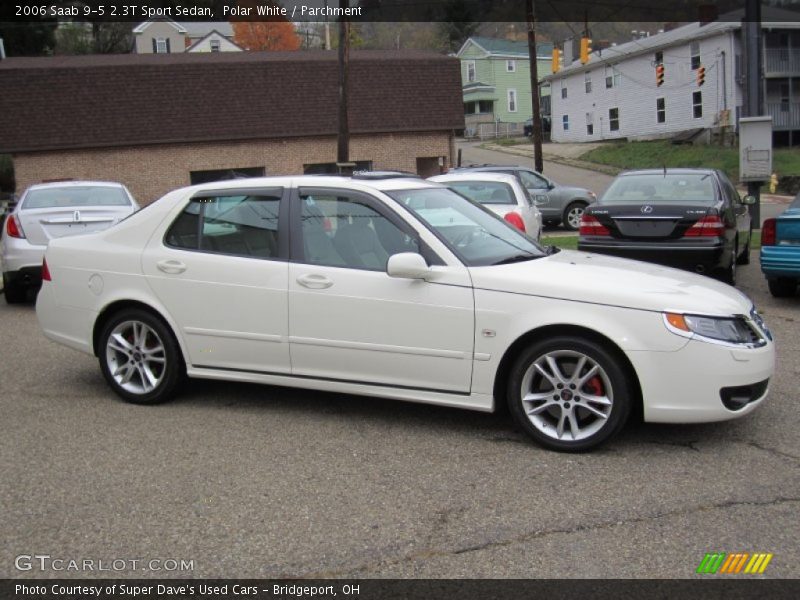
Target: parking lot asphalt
250, 481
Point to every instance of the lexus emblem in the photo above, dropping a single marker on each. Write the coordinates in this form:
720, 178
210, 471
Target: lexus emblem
76, 216
647, 209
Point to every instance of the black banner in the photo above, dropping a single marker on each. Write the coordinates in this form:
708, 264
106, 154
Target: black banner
595, 11
392, 589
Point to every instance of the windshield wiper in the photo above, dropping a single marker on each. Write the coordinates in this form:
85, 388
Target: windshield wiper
515, 258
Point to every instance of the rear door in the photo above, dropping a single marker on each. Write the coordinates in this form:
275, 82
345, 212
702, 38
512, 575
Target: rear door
220, 269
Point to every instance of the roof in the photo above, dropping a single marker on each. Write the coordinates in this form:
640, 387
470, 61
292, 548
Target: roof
97, 101
503, 47
473, 175
199, 41
140, 28
198, 29
771, 17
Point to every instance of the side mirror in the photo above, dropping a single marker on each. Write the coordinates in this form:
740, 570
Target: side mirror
407, 265
749, 200
551, 185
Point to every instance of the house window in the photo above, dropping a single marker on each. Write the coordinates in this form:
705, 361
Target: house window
565, 122
613, 119
563, 89
589, 124
659, 58
695, 52
587, 80
215, 45
697, 104
661, 110
470, 70
160, 46
612, 77
512, 101
511, 66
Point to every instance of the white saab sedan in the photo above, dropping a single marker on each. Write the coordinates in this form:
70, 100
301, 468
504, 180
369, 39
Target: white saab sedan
399, 288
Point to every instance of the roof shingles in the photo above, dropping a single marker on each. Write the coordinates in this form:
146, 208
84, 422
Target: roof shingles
103, 101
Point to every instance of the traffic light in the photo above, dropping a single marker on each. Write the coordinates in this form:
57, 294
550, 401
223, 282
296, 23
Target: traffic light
556, 60
701, 75
659, 75
586, 49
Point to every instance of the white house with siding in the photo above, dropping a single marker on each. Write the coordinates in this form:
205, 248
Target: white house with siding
616, 95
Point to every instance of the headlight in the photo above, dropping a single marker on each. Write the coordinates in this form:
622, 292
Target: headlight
737, 331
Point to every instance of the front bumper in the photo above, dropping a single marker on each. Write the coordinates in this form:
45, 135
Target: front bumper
694, 384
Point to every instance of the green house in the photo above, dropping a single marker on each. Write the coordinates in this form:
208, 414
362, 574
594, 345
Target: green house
496, 81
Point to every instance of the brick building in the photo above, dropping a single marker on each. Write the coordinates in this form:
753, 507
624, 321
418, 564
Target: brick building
157, 122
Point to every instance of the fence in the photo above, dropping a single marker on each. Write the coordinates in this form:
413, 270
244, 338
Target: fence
497, 129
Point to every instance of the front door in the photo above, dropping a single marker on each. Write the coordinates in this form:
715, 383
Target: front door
348, 320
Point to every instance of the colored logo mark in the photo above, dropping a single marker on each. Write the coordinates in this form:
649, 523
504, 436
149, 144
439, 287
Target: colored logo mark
734, 563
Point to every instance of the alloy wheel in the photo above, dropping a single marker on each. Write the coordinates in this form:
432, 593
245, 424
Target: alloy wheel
136, 357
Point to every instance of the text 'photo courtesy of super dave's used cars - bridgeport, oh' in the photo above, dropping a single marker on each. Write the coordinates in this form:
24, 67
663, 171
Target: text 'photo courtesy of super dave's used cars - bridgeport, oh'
399, 288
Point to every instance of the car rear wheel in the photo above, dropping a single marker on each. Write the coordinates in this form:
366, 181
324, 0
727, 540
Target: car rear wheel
572, 216
140, 358
569, 393
782, 287
14, 293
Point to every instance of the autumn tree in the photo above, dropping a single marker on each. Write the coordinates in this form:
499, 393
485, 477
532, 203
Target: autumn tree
276, 33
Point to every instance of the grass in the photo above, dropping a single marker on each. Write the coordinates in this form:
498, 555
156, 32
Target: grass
570, 242
515, 141
660, 153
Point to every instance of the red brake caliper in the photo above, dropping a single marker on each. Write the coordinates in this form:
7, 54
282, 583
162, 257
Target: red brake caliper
595, 386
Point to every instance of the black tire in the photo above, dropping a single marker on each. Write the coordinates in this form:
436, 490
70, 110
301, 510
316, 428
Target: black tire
574, 208
782, 287
14, 293
744, 257
558, 406
169, 374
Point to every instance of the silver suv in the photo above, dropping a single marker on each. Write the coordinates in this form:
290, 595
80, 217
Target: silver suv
559, 204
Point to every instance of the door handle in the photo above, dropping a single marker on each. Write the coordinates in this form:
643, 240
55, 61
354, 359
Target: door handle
173, 267
315, 282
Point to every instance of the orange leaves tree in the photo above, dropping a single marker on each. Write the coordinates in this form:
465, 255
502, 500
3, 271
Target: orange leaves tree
276, 33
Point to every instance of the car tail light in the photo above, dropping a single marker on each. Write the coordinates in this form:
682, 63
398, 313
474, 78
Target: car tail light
710, 226
515, 220
591, 225
768, 236
12, 227
45, 271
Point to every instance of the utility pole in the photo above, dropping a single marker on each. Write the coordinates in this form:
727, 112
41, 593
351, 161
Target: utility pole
537, 115
753, 96
343, 140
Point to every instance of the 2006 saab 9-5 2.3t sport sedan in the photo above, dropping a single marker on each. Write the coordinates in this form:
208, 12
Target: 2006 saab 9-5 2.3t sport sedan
399, 288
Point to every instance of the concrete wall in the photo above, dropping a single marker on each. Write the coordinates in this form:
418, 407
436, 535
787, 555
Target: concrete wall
151, 171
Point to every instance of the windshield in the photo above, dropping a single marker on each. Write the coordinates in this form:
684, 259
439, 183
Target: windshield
685, 188
90, 195
476, 235
484, 192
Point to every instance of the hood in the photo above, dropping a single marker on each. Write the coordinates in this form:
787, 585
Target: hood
600, 279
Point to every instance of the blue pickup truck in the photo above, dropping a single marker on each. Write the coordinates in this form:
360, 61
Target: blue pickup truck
780, 251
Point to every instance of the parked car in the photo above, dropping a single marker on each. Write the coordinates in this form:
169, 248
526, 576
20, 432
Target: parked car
780, 250
559, 204
403, 289
52, 210
692, 219
502, 194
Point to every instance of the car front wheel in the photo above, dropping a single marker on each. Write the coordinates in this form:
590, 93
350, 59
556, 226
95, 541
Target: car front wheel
569, 393
139, 357
572, 216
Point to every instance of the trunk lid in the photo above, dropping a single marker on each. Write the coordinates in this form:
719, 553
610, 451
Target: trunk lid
650, 222
41, 225
787, 229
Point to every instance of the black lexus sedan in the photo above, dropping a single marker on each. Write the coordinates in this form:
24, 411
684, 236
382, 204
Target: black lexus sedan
692, 219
